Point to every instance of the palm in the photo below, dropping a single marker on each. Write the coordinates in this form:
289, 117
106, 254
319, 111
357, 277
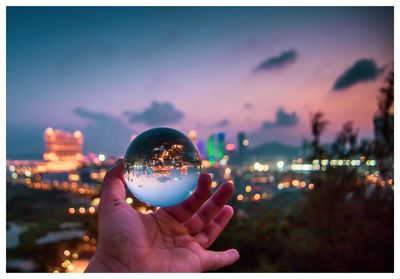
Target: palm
170, 239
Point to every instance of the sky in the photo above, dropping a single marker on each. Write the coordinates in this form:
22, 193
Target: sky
115, 72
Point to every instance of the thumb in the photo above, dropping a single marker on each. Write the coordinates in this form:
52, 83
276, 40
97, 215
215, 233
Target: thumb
215, 260
113, 188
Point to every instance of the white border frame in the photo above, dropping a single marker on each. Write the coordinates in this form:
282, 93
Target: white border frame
6, 3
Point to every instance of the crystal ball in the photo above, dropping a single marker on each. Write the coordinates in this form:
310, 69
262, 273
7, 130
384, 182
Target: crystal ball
162, 167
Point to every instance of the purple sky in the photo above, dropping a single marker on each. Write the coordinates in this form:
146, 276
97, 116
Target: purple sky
114, 72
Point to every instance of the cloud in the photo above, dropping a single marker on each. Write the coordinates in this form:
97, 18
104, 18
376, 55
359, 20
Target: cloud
223, 123
278, 62
362, 70
282, 119
248, 105
104, 133
156, 114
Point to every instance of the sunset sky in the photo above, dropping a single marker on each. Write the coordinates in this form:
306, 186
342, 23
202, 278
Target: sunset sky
114, 72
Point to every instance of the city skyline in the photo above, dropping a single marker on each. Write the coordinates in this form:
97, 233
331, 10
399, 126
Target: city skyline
114, 72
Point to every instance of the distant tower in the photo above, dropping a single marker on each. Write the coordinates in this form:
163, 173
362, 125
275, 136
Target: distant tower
63, 150
220, 146
243, 142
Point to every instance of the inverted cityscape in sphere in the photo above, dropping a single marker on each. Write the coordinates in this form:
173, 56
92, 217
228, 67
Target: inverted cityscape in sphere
162, 167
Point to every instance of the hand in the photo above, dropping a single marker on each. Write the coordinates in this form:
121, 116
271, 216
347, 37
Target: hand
173, 239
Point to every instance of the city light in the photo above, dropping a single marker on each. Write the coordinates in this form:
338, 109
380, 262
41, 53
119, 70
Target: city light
240, 197
78, 134
95, 202
280, 164
248, 189
230, 146
49, 131
246, 142
73, 177
102, 157
214, 184
301, 167
260, 167
129, 200
205, 163
192, 135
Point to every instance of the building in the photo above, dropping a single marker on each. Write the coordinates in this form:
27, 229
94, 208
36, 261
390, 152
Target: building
63, 150
243, 143
220, 146
211, 156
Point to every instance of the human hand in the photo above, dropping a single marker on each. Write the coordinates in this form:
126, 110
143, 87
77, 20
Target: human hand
173, 239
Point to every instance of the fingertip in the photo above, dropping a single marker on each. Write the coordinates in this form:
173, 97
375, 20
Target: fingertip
205, 178
234, 253
231, 185
227, 187
229, 209
204, 185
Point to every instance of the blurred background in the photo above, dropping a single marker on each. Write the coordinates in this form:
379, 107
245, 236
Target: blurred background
294, 105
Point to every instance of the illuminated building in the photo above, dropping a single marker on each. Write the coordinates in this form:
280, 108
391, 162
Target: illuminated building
63, 150
211, 149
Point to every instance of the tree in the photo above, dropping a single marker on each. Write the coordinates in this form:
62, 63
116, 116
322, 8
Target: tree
384, 128
345, 144
318, 125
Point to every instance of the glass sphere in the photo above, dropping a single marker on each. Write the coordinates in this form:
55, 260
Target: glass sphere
162, 167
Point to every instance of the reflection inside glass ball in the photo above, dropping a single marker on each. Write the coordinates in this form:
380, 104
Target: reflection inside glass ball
162, 167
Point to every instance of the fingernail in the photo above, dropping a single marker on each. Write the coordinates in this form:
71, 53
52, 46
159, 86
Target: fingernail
235, 253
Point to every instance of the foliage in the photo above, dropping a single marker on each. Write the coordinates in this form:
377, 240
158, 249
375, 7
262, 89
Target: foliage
336, 227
